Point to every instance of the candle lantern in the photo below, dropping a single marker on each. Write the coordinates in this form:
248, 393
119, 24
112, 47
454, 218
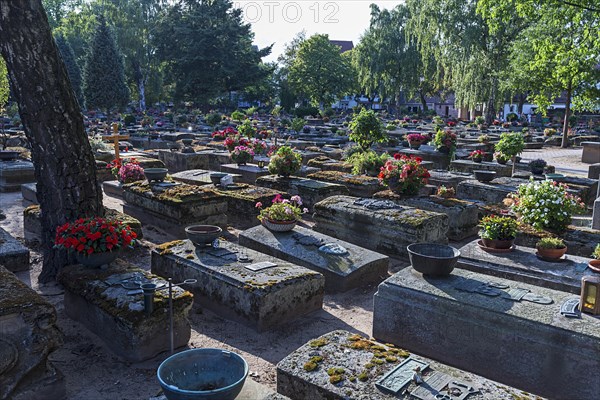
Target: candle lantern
590, 295
261, 164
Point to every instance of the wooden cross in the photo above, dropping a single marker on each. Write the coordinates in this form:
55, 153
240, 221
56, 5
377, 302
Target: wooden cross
115, 137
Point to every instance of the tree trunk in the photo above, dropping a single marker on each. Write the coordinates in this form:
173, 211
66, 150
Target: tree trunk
565, 137
423, 101
64, 165
522, 98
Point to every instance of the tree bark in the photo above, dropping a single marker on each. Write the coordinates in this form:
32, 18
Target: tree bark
565, 137
423, 101
65, 169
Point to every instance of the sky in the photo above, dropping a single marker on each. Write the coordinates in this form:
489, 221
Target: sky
277, 22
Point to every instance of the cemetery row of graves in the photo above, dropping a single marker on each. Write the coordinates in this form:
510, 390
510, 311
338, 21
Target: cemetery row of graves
268, 219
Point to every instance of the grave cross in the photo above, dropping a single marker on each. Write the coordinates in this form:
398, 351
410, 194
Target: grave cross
115, 137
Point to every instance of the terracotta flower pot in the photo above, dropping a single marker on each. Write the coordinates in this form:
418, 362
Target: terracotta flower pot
552, 254
498, 244
595, 265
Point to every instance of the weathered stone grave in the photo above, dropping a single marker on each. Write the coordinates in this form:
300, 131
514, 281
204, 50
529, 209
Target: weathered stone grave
199, 177
591, 152
13, 255
343, 365
241, 284
241, 202
344, 265
580, 240
463, 215
172, 208
523, 265
325, 163
469, 166
467, 318
251, 172
379, 225
357, 185
428, 154
177, 161
28, 334
100, 300
310, 190
15, 173
448, 179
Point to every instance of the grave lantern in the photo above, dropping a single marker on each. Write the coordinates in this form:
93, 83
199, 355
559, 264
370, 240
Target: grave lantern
590, 295
261, 163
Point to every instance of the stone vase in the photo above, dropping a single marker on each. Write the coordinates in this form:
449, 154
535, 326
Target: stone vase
279, 226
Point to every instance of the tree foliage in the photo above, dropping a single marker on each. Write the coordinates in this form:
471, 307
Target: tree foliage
4, 89
366, 129
68, 57
208, 50
320, 72
104, 77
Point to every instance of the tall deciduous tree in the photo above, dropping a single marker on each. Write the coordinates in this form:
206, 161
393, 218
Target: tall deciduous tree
208, 49
559, 52
103, 76
68, 57
320, 72
65, 169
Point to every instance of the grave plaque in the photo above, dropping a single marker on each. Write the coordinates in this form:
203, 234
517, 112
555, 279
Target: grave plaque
395, 380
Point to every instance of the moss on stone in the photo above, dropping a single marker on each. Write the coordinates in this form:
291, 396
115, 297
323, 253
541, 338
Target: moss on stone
335, 371
32, 210
336, 379
318, 342
310, 366
363, 376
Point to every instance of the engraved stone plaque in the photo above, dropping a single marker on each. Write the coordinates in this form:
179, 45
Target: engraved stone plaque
395, 380
260, 266
570, 308
376, 204
440, 386
333, 248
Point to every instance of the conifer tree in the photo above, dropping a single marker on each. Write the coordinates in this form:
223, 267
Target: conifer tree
104, 84
68, 56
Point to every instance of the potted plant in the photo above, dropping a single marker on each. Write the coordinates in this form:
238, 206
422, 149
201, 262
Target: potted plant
537, 166
404, 174
498, 232
366, 129
477, 156
95, 241
259, 146
242, 155
445, 141
446, 193
510, 144
368, 162
415, 140
483, 139
595, 262
232, 141
283, 214
285, 162
501, 158
546, 204
551, 248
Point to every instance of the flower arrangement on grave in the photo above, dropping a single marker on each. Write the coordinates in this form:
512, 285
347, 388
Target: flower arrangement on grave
537, 166
416, 139
247, 128
445, 141
551, 248
222, 134
264, 134
282, 215
415, 121
546, 205
126, 170
496, 122
94, 235
404, 174
366, 129
285, 162
477, 155
259, 146
498, 232
506, 125
242, 155
451, 124
367, 162
445, 192
483, 138
231, 142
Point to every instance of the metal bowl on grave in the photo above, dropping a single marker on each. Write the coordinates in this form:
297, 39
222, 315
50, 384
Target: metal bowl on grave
202, 235
433, 259
155, 174
8, 155
215, 177
484, 176
187, 142
207, 374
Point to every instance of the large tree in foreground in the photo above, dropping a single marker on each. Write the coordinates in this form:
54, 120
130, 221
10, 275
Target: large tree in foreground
65, 169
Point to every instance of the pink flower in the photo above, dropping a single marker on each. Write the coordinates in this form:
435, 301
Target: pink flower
305, 210
297, 200
258, 205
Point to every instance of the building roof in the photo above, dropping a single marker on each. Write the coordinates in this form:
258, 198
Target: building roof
344, 45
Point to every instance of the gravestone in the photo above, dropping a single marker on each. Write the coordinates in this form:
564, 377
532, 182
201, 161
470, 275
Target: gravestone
596, 215
249, 172
29, 193
499, 328
176, 161
15, 173
343, 365
437, 159
448, 179
199, 177
591, 152
13, 255
241, 202
469, 166
594, 171
379, 225
103, 301
172, 207
28, 334
344, 265
310, 190
357, 185
522, 264
325, 163
241, 284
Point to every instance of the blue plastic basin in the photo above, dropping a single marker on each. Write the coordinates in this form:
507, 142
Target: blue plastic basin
203, 374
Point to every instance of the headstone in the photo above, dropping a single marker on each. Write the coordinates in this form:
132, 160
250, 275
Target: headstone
28, 334
15, 173
524, 265
261, 299
110, 303
470, 166
580, 240
344, 265
594, 171
357, 185
249, 172
591, 152
469, 319
345, 365
310, 190
176, 161
13, 255
241, 202
379, 225
596, 215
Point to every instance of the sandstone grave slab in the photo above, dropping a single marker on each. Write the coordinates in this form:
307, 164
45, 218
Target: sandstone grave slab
241, 203
13, 255
469, 166
357, 185
310, 190
199, 177
519, 343
15, 173
260, 299
353, 268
